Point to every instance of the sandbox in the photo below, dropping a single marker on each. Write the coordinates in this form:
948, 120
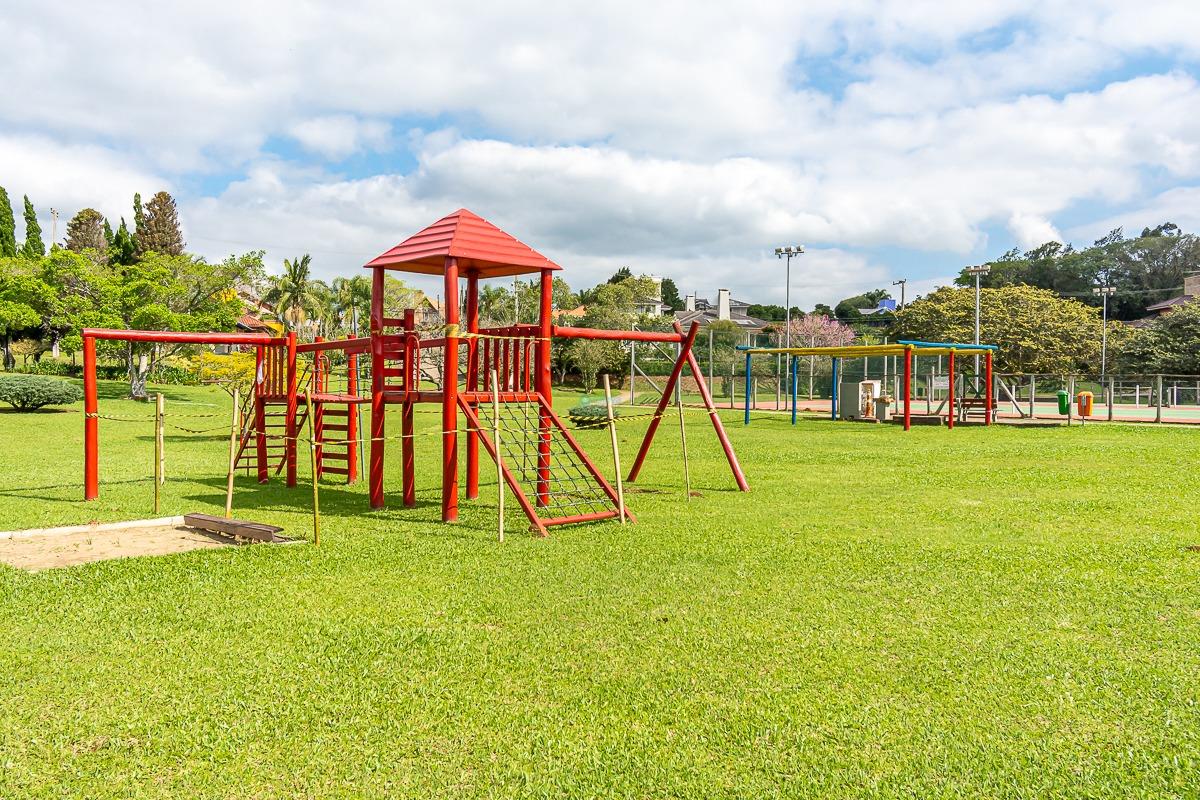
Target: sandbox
48, 548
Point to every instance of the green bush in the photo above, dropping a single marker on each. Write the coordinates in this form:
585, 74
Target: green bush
589, 414
48, 366
166, 374
27, 392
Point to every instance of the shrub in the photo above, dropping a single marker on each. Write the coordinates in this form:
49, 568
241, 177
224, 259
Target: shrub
589, 414
27, 392
48, 366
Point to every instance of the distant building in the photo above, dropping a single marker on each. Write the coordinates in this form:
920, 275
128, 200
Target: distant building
1191, 292
697, 309
883, 313
652, 305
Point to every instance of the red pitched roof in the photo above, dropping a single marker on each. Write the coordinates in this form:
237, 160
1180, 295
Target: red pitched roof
475, 242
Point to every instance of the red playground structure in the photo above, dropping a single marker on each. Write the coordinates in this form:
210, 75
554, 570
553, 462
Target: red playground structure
496, 378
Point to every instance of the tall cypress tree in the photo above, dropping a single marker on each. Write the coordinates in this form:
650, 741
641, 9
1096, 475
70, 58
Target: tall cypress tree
162, 233
33, 247
108, 233
139, 221
8, 227
124, 248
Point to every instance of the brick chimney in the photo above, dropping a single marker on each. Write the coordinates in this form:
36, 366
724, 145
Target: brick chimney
689, 302
722, 304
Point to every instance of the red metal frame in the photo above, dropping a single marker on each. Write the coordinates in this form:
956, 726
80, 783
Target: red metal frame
987, 391
950, 399
908, 358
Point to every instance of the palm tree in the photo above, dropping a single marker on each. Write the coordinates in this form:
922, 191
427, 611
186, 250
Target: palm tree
495, 305
353, 299
294, 293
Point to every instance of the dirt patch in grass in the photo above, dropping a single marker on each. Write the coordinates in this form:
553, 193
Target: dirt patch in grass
65, 547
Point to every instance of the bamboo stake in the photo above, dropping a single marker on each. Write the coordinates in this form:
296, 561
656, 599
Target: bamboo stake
616, 451
312, 460
158, 448
687, 475
233, 435
496, 445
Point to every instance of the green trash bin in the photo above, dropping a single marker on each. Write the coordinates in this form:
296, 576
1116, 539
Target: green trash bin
1064, 401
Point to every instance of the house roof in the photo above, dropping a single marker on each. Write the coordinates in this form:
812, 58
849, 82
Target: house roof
249, 322
709, 316
1165, 305
478, 245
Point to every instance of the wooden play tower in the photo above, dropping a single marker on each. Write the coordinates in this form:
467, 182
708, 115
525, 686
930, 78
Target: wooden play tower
497, 378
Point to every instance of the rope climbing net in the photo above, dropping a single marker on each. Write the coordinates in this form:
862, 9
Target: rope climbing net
571, 488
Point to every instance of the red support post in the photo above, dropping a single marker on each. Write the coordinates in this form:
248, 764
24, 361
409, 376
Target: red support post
472, 380
486, 374
450, 396
950, 397
706, 397
412, 384
260, 413
545, 421
908, 355
987, 392
668, 391
527, 386
91, 424
352, 419
292, 400
378, 404
504, 373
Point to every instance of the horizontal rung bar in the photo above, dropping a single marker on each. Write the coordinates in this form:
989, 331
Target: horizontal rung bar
335, 470
337, 456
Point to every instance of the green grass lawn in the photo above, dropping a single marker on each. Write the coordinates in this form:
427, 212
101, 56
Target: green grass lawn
985, 612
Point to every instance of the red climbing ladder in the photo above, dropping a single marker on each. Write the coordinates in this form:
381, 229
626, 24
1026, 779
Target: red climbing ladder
264, 443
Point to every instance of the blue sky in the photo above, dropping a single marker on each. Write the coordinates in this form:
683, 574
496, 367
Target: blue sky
893, 139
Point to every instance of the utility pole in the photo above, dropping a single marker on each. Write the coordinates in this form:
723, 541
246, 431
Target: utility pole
53, 227
1105, 292
901, 284
516, 301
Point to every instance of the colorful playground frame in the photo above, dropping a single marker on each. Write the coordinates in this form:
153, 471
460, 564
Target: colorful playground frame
908, 349
460, 245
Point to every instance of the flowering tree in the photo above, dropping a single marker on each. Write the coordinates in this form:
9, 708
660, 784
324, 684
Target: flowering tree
815, 330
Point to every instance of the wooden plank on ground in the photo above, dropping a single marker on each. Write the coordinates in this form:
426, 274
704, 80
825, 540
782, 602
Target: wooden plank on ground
233, 527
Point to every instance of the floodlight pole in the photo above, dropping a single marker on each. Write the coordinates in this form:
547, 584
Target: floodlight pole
788, 252
977, 272
1105, 292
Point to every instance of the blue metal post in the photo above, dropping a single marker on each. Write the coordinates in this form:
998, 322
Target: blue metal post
795, 378
748, 357
833, 395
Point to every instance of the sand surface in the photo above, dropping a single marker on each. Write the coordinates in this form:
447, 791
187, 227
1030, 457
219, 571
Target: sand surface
50, 550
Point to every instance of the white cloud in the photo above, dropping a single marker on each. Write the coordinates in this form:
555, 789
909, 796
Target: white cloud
1032, 230
1180, 205
687, 135
70, 177
340, 135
